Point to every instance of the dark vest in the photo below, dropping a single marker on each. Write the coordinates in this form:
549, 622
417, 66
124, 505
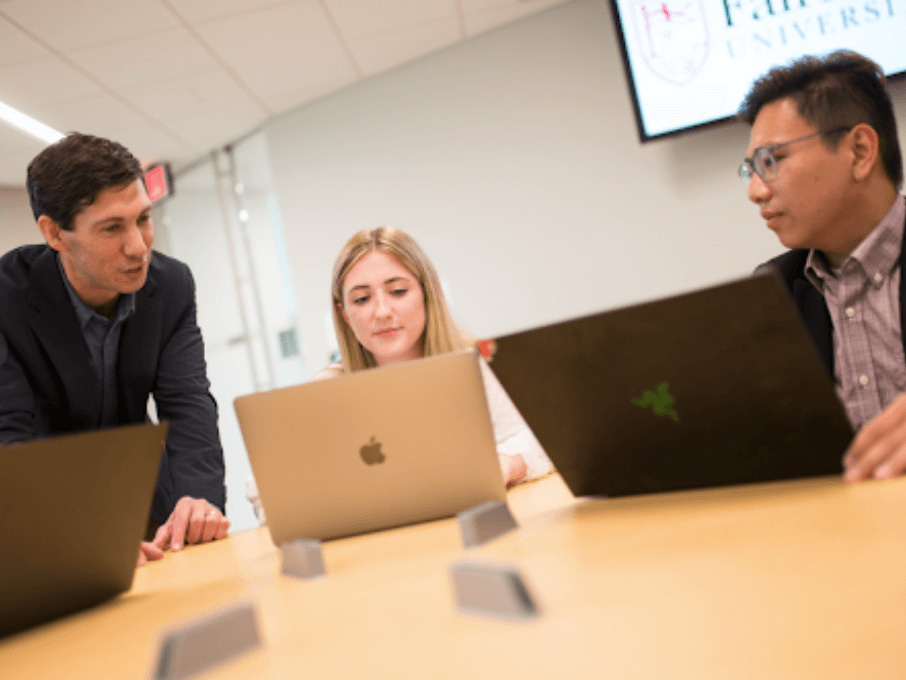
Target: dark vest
812, 307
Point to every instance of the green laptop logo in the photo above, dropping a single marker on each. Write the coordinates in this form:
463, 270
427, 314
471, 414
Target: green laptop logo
660, 401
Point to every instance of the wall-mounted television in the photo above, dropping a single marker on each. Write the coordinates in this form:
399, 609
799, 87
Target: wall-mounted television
689, 63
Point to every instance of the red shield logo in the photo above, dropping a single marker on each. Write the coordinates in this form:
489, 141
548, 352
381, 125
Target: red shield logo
673, 37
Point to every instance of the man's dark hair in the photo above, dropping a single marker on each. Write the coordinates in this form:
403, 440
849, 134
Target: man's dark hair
839, 90
68, 176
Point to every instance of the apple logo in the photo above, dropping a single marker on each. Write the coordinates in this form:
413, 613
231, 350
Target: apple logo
371, 452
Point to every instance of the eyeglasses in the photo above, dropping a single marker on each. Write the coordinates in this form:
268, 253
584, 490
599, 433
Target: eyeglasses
764, 163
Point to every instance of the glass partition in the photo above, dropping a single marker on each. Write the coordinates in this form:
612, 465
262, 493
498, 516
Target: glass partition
223, 221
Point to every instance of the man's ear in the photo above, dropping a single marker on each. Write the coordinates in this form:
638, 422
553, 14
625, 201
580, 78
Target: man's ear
51, 232
865, 149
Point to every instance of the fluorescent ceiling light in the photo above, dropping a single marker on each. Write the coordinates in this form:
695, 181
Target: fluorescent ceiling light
29, 125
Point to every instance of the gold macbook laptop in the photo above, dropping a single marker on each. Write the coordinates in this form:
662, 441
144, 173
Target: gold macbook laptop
373, 449
74, 508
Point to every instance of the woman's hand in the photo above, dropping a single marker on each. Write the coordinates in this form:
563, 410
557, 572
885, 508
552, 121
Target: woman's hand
514, 469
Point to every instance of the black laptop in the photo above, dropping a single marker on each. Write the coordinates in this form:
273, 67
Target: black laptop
74, 510
715, 387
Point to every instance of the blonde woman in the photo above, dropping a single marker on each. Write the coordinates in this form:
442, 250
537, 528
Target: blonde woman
388, 306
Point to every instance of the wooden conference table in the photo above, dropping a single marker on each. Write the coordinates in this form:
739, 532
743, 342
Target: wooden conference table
803, 579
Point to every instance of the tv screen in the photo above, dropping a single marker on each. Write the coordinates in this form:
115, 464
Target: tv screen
690, 62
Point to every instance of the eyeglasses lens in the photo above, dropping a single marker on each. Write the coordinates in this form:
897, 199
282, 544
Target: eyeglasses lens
765, 164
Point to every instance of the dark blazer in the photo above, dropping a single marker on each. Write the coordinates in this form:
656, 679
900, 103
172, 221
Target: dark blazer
45, 369
811, 305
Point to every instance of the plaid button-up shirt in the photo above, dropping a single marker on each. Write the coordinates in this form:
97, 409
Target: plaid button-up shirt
863, 299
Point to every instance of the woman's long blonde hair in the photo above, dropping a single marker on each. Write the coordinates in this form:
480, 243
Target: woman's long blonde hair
441, 333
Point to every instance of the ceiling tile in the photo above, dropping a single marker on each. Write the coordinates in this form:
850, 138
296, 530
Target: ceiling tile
17, 46
280, 49
378, 53
357, 19
483, 15
103, 115
153, 146
150, 144
215, 129
146, 59
292, 97
469, 6
173, 78
87, 23
32, 85
191, 94
267, 83
195, 11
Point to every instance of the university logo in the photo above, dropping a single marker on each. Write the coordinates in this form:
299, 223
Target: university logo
672, 36
660, 401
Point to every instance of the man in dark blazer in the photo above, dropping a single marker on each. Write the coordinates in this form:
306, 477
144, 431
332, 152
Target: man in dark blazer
824, 168
93, 322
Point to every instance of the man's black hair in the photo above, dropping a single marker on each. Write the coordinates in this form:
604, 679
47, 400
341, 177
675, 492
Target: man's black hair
68, 176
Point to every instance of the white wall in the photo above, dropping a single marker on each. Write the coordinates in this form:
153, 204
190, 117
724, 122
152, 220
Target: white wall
17, 226
514, 160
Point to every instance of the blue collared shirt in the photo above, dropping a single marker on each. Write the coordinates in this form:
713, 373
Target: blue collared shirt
102, 336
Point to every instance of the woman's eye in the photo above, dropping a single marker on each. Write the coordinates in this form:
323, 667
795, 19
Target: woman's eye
399, 292
360, 300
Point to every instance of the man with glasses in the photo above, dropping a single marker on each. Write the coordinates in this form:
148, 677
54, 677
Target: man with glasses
824, 169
